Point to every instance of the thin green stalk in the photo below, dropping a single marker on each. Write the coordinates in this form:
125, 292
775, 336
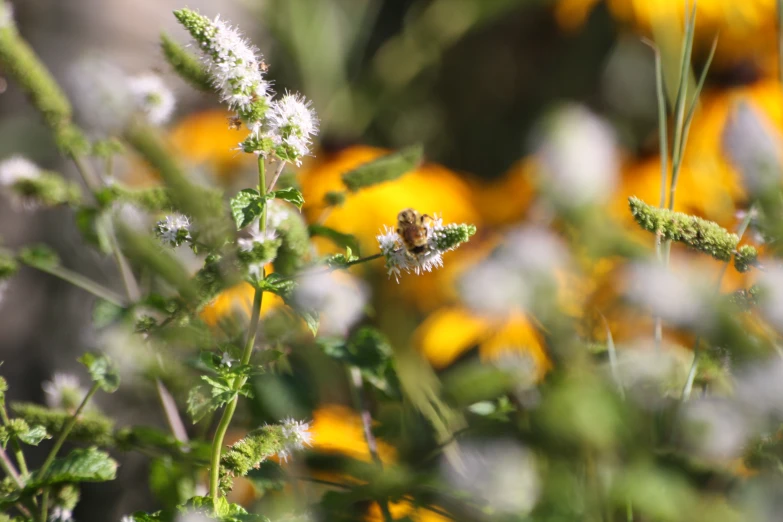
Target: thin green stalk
663, 139
681, 100
18, 454
66, 430
357, 393
255, 314
688, 387
332, 269
8, 468
45, 505
86, 284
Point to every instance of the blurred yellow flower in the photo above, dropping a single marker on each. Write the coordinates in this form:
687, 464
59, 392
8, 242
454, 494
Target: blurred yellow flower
405, 511
202, 140
504, 201
237, 299
449, 332
338, 429
746, 28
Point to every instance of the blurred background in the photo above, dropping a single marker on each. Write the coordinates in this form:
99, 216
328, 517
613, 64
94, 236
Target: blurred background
474, 81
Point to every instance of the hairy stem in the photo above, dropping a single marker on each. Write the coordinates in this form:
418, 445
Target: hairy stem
8, 468
66, 430
18, 454
86, 284
255, 314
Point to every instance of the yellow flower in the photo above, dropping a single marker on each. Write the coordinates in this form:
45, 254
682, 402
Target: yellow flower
338, 429
201, 140
746, 28
405, 510
449, 332
237, 299
430, 188
504, 201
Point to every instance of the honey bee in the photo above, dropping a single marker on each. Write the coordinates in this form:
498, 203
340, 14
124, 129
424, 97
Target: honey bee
412, 229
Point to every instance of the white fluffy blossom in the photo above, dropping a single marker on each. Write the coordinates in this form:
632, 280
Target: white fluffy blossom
152, 97
292, 122
17, 168
60, 514
227, 360
173, 230
503, 473
678, 297
578, 153
771, 280
297, 436
64, 391
127, 518
338, 298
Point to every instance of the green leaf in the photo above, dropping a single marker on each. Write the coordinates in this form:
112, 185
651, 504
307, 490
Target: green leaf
276, 284
290, 194
102, 371
171, 482
311, 319
386, 168
200, 403
91, 229
39, 256
80, 465
246, 206
34, 435
187, 65
105, 313
338, 238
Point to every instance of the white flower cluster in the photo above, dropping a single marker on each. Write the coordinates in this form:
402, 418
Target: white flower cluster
399, 260
173, 230
286, 124
338, 298
297, 436
64, 391
107, 97
60, 514
17, 168
152, 97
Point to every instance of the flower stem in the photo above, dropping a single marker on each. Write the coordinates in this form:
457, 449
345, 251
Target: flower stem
86, 284
357, 392
18, 454
66, 430
8, 468
255, 314
332, 269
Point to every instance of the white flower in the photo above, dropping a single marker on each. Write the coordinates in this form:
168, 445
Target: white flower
715, 428
339, 298
127, 518
398, 259
235, 65
152, 97
64, 391
100, 94
680, 298
17, 168
503, 473
752, 144
193, 516
771, 280
227, 360
168, 230
578, 154
60, 514
292, 122
6, 15
256, 238
494, 287
297, 436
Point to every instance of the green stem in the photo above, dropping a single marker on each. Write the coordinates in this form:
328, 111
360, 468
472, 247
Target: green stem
255, 314
18, 454
8, 468
664, 153
360, 404
328, 270
79, 281
45, 505
66, 430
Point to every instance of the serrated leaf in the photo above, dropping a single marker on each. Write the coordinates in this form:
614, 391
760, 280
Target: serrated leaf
105, 313
246, 206
34, 435
80, 465
102, 371
39, 256
200, 403
278, 285
386, 168
290, 194
338, 238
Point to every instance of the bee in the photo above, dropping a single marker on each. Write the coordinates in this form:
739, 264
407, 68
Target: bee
412, 229
234, 123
